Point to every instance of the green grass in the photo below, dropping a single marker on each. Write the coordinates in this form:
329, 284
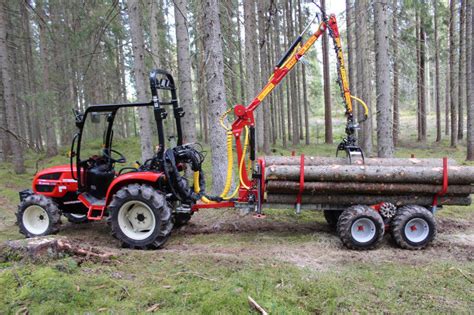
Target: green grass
210, 285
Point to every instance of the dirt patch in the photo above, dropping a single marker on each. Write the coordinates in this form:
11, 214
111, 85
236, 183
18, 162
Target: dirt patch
323, 249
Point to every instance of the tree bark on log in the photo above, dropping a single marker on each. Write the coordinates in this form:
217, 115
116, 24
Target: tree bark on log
314, 188
376, 174
369, 200
318, 160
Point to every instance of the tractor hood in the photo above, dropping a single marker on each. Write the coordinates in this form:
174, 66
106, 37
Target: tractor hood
55, 172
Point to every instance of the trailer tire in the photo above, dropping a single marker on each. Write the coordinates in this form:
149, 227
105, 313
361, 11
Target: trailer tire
414, 227
38, 215
140, 217
332, 216
360, 227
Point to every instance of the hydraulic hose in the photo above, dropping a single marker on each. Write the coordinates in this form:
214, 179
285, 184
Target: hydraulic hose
246, 143
230, 165
197, 187
364, 105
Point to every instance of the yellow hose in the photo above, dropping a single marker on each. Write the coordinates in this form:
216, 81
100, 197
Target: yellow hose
246, 142
364, 105
197, 188
230, 165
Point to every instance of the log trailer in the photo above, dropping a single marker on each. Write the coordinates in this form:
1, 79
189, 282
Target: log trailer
362, 197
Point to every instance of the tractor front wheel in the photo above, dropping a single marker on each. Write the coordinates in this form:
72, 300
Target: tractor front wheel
140, 217
38, 215
360, 227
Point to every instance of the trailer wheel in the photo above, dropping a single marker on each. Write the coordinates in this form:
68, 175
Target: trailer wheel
414, 227
332, 216
360, 227
76, 218
140, 217
38, 215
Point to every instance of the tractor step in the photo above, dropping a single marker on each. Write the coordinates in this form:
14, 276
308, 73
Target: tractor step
95, 205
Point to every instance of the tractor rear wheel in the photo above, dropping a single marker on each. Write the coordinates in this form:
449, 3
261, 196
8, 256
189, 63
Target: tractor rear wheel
140, 217
332, 216
414, 227
38, 215
360, 227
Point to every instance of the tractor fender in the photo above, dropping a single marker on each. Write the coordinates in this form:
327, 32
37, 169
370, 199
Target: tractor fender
150, 178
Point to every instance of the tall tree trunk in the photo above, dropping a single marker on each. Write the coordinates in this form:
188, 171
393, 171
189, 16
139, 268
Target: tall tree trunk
462, 68
240, 55
283, 121
215, 89
396, 110
437, 85
349, 46
382, 79
447, 101
470, 80
293, 96
304, 84
327, 87
452, 74
184, 71
251, 52
4, 137
418, 75
48, 99
363, 72
201, 75
262, 8
138, 43
9, 97
423, 85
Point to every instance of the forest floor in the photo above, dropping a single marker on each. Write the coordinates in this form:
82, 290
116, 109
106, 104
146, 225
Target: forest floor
287, 263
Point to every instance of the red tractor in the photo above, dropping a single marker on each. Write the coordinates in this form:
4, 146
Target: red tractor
141, 203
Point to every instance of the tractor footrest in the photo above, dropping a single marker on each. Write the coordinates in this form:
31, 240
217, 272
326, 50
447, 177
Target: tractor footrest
96, 206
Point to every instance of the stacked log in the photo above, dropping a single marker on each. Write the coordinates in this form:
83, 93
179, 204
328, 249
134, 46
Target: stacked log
333, 181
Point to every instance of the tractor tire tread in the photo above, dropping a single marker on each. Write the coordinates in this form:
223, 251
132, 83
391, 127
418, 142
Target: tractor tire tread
52, 209
153, 198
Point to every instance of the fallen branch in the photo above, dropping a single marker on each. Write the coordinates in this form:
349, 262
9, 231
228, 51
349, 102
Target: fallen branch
257, 307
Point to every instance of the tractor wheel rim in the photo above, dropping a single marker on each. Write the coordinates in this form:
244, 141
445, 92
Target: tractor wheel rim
136, 220
363, 230
417, 230
35, 220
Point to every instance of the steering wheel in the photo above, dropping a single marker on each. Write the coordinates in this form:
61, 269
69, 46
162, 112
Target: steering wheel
122, 159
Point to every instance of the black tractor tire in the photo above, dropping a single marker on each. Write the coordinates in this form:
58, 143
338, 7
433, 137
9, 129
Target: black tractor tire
38, 215
369, 222
154, 206
332, 216
181, 219
422, 230
76, 218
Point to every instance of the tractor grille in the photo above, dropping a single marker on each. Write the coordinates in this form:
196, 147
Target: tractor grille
44, 188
